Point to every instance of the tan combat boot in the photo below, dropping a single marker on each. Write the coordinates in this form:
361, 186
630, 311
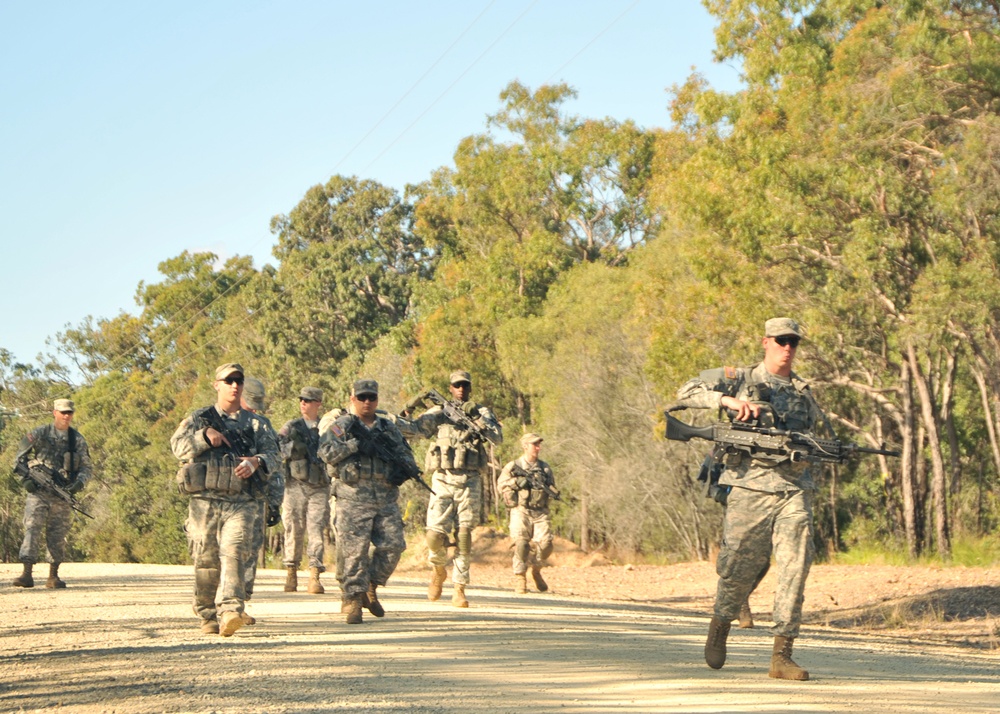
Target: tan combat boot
229, 623
782, 666
315, 586
24, 580
54, 581
715, 646
437, 583
458, 597
248, 619
291, 579
372, 603
746, 617
354, 610
536, 575
520, 584
210, 627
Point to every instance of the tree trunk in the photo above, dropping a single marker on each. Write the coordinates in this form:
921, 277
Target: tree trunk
938, 481
907, 467
584, 522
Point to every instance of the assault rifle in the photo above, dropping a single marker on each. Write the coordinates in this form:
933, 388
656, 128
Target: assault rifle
401, 470
238, 447
47, 479
770, 444
535, 482
452, 412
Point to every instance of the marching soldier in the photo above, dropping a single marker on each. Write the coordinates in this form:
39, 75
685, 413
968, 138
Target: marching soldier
526, 485
306, 507
458, 457
62, 450
363, 447
221, 447
769, 509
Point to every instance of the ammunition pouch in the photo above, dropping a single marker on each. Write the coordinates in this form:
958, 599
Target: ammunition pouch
216, 474
537, 498
312, 473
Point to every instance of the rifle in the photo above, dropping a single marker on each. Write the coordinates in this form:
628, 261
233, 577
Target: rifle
238, 447
47, 479
454, 414
535, 483
402, 470
771, 444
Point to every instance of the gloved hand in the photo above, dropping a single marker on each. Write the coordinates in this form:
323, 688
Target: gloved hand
76, 486
273, 517
555, 491
353, 445
366, 447
413, 403
29, 485
522, 483
471, 410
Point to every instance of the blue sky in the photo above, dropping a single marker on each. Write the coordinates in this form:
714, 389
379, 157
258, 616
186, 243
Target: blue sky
131, 132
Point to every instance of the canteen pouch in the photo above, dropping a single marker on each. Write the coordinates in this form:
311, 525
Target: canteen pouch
538, 498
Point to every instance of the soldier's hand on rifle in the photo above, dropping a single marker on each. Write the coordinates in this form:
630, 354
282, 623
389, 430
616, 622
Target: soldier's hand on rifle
273, 517
744, 410
29, 485
216, 438
246, 467
522, 483
471, 410
76, 486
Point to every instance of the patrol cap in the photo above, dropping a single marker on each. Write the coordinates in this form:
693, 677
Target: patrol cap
228, 369
460, 376
312, 394
365, 386
63, 405
530, 438
254, 393
778, 326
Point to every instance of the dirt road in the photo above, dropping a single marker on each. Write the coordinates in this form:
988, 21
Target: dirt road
122, 639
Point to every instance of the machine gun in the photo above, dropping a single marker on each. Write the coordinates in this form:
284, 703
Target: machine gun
770, 444
46, 477
401, 470
534, 482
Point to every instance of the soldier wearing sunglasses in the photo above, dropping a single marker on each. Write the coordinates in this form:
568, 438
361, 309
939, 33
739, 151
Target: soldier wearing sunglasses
769, 507
306, 506
220, 448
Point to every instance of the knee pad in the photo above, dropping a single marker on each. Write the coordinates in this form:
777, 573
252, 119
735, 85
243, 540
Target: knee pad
523, 550
464, 540
544, 550
435, 541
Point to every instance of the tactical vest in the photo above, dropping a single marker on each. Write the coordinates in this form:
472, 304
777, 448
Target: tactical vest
450, 452
533, 498
358, 467
66, 463
304, 464
214, 470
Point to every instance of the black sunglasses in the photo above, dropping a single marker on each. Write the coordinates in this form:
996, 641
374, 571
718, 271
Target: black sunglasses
786, 340
366, 397
65, 413
233, 380
307, 401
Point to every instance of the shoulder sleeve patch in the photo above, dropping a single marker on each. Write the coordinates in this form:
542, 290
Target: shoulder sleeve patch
337, 430
730, 372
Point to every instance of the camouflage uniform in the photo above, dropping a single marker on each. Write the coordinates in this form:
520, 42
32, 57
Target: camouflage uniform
529, 512
770, 506
367, 506
306, 507
273, 493
223, 508
457, 461
43, 509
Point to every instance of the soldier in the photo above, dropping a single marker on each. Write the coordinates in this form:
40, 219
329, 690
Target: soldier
63, 450
306, 507
458, 457
364, 446
220, 448
526, 485
268, 512
769, 508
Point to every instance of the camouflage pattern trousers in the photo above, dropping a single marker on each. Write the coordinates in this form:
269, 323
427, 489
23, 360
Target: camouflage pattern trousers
367, 514
219, 536
455, 504
45, 510
256, 543
305, 513
757, 524
530, 526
